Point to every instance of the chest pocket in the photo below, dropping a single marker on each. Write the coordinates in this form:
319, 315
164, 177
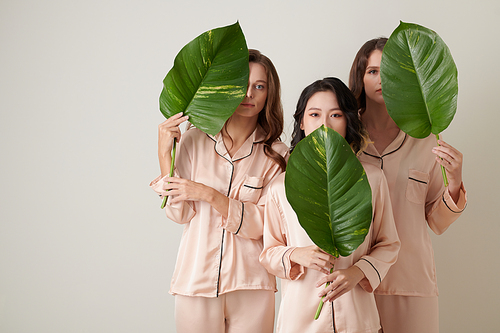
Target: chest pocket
251, 189
416, 190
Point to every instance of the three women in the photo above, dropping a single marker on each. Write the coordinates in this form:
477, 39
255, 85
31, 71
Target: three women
221, 186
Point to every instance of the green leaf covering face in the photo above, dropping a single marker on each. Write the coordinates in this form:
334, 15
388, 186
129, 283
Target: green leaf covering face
419, 80
327, 188
209, 79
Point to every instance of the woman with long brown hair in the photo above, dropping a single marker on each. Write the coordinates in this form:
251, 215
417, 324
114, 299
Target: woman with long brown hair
218, 194
407, 297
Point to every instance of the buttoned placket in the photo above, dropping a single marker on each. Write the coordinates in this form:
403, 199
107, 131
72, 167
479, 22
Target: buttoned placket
221, 150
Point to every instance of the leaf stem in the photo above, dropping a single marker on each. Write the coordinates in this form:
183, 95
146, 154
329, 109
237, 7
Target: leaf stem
165, 198
320, 305
443, 171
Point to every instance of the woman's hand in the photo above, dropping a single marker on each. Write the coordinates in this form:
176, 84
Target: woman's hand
451, 159
341, 281
312, 257
183, 189
167, 132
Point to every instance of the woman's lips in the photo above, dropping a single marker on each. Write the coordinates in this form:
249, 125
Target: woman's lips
247, 105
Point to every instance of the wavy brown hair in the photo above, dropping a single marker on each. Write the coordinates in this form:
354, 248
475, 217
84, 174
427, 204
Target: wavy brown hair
271, 116
356, 134
358, 69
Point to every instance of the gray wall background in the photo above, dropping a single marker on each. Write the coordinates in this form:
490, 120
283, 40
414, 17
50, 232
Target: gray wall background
84, 246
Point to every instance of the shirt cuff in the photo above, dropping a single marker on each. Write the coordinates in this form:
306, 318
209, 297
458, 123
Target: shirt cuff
157, 185
293, 271
462, 200
235, 213
372, 277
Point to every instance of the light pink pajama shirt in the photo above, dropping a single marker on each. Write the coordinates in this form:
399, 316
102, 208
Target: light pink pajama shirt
352, 312
219, 255
419, 201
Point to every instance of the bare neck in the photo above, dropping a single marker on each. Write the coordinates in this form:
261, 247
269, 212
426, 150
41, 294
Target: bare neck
239, 129
380, 126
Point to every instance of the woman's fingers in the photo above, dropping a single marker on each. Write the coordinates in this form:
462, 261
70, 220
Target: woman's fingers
341, 281
446, 155
448, 152
169, 129
320, 268
312, 257
447, 145
321, 265
451, 159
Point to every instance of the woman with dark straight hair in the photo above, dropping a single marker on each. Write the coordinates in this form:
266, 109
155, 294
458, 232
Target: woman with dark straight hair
356, 135
407, 298
304, 268
218, 194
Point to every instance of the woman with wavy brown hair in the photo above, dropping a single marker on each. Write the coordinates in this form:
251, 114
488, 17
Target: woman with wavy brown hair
218, 194
407, 298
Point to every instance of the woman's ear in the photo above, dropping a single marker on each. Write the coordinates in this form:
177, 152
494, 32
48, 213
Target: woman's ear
302, 124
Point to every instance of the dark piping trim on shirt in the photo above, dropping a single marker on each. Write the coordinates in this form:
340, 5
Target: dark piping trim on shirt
333, 317
381, 157
419, 181
283, 260
223, 230
451, 210
251, 150
379, 279
241, 221
220, 262
255, 188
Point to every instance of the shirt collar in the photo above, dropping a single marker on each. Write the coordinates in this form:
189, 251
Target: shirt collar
245, 150
393, 146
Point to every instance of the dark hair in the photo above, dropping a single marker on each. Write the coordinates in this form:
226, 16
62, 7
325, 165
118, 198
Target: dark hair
356, 135
359, 67
271, 116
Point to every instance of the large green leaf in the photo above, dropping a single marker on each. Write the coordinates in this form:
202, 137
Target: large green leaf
327, 187
419, 80
209, 78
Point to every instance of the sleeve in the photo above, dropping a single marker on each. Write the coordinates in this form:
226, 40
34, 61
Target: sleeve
440, 209
179, 212
246, 219
385, 241
275, 256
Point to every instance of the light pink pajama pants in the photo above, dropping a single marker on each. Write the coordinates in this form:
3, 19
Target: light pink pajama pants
242, 311
408, 314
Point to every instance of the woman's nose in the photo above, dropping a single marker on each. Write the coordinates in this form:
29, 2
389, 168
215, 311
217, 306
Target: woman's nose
324, 121
249, 92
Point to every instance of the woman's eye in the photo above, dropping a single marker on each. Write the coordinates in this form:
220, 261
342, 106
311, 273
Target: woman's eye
373, 71
336, 115
259, 86
313, 114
